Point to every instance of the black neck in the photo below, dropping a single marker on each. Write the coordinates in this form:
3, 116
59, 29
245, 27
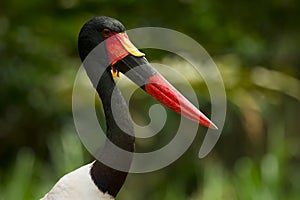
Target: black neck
106, 178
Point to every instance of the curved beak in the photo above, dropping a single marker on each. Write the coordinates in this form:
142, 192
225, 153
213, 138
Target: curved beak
126, 58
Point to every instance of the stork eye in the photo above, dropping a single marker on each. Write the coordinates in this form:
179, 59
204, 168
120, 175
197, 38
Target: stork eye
106, 32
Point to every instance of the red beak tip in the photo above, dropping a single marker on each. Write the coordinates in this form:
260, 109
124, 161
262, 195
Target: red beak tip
213, 126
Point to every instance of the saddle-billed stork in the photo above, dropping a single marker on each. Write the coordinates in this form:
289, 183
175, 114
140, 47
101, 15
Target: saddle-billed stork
96, 180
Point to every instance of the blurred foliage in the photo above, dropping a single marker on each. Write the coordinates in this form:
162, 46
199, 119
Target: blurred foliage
256, 47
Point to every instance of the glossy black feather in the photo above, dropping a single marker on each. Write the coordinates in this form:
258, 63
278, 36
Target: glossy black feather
119, 128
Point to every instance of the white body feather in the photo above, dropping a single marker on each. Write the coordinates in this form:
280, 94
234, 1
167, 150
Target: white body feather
77, 185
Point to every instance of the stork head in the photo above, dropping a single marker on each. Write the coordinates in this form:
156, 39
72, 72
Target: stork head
124, 57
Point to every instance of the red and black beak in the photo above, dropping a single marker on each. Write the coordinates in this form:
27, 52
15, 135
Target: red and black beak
126, 58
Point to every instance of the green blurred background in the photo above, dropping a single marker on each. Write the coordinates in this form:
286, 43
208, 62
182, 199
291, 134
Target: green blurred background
256, 47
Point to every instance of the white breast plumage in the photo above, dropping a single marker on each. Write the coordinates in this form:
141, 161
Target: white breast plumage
77, 185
